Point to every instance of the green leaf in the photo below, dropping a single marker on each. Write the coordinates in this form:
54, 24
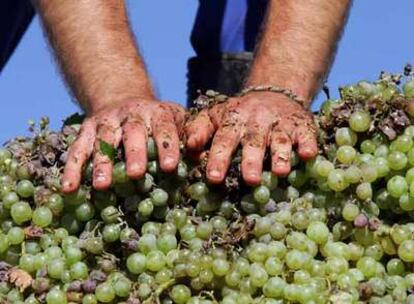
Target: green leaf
74, 119
107, 149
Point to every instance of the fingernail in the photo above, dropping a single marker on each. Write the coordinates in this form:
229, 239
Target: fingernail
168, 161
65, 184
214, 173
100, 178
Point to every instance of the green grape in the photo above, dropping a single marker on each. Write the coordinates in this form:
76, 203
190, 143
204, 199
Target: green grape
297, 178
353, 174
350, 212
395, 267
397, 186
198, 190
105, 293
136, 263
25, 188
406, 251
346, 154
364, 191
359, 121
336, 180
368, 146
85, 212
15, 236
73, 254
79, 271
406, 201
155, 260
261, 194
180, 294
369, 173
367, 266
122, 287
42, 217
220, 267
381, 164
324, 167
21, 212
119, 173
89, 299
159, 197
55, 268
166, 243
56, 296
258, 275
318, 232
402, 143
9, 199
397, 160
345, 136
55, 204
111, 233
269, 180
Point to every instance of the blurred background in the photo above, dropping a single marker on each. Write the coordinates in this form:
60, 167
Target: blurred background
377, 37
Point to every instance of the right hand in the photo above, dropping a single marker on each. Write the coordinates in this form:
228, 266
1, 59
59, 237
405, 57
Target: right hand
131, 121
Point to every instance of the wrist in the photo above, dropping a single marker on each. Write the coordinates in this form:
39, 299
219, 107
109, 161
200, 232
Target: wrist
96, 105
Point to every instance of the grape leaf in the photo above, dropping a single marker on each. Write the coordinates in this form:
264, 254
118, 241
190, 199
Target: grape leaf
74, 119
107, 149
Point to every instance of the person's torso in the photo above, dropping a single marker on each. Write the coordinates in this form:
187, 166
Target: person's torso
227, 26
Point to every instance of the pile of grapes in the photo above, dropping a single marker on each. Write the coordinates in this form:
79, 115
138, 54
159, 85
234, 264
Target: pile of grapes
337, 229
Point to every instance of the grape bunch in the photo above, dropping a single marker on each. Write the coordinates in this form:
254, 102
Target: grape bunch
338, 229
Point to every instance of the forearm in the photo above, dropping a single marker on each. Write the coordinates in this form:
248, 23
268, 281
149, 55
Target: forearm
298, 44
96, 51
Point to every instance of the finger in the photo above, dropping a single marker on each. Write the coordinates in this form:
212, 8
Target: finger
306, 141
109, 131
166, 138
254, 148
135, 144
281, 148
179, 114
78, 153
224, 144
199, 131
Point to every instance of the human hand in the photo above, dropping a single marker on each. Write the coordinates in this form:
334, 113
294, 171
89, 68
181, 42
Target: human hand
257, 120
132, 122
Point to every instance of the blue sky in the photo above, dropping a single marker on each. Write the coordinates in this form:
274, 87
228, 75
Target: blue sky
378, 37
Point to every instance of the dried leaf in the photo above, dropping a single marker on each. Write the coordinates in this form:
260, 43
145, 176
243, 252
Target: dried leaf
107, 149
33, 232
20, 278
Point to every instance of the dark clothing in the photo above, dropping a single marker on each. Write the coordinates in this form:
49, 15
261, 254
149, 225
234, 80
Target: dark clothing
15, 17
223, 37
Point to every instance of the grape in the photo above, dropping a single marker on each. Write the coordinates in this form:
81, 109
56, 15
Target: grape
345, 136
364, 191
15, 236
136, 263
368, 146
397, 186
122, 287
56, 296
261, 194
79, 271
397, 160
180, 294
105, 293
42, 217
159, 197
406, 251
346, 154
336, 180
21, 212
25, 188
359, 121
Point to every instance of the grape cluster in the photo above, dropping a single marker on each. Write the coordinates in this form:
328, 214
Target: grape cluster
338, 229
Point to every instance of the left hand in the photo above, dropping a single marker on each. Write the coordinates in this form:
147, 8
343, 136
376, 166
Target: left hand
257, 120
